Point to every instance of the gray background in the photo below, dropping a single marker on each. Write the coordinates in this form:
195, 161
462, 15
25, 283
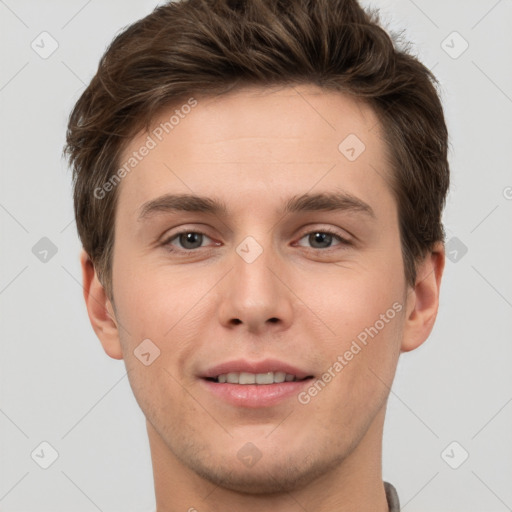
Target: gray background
57, 384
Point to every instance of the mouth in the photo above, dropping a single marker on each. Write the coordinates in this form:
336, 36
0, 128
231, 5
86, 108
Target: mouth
250, 384
245, 378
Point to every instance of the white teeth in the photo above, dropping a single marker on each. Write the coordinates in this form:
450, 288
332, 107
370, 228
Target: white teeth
263, 378
279, 376
255, 378
232, 378
247, 378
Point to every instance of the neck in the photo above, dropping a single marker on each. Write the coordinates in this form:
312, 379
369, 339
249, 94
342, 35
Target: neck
354, 484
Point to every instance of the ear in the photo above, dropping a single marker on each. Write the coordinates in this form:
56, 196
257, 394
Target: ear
423, 300
100, 309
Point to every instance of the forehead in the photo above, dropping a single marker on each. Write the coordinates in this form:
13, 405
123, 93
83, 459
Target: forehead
254, 139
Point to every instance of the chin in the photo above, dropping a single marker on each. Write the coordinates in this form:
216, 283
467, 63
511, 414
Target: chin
265, 477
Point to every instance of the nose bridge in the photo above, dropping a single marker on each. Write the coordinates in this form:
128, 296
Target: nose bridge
254, 296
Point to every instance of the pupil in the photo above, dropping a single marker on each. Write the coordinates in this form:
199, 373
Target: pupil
190, 238
324, 238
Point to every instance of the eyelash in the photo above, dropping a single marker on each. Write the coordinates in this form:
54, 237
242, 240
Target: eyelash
171, 248
327, 231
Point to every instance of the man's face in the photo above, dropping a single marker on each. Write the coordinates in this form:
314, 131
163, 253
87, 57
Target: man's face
293, 289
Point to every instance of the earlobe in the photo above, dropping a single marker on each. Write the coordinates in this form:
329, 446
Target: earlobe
423, 301
99, 308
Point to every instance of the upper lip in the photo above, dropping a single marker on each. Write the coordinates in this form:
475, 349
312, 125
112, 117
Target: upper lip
244, 365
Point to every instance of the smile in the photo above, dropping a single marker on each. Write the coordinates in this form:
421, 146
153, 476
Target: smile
254, 378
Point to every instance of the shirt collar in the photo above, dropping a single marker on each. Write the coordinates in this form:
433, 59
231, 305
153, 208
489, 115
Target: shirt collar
392, 497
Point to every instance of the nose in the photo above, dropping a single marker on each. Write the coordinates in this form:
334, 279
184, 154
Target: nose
254, 296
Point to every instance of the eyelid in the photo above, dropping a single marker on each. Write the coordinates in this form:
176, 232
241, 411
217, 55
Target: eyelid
170, 238
332, 230
344, 240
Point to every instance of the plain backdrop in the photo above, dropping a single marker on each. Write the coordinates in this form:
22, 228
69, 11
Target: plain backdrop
447, 437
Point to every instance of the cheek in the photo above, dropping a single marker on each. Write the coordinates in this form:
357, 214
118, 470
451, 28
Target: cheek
148, 300
154, 307
362, 305
164, 306
353, 298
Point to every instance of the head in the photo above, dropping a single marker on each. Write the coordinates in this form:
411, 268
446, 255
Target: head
256, 107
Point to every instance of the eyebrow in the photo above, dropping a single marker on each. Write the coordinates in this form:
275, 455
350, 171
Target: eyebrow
341, 201
335, 201
181, 202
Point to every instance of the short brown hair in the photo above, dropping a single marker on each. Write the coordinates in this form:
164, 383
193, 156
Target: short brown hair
211, 46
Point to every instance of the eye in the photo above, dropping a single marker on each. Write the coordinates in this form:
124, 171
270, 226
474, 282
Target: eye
323, 239
188, 240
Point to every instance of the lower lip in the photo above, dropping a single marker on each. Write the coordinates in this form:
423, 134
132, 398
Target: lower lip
255, 395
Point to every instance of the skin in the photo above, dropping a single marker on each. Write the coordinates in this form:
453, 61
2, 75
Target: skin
253, 149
